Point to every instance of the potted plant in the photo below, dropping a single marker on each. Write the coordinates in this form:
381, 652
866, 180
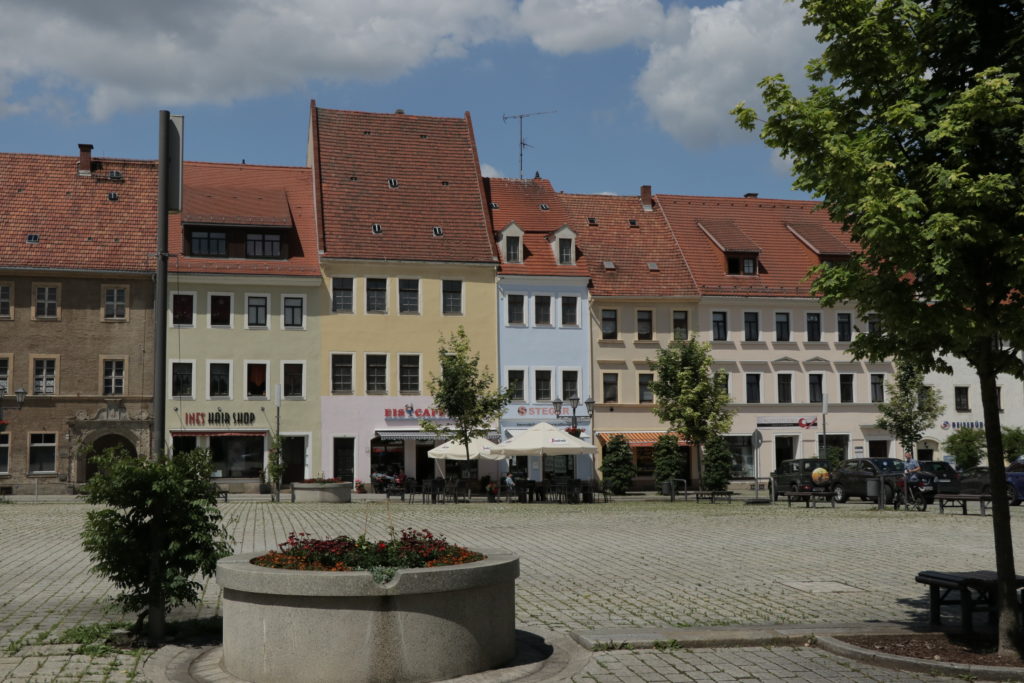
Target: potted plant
359, 486
321, 490
342, 604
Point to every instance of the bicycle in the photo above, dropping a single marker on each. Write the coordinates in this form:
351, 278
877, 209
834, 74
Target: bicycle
910, 495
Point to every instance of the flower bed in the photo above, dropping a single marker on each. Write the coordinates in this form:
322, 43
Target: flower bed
452, 614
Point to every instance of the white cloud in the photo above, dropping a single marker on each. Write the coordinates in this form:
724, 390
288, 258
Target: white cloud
708, 59
488, 171
125, 55
567, 26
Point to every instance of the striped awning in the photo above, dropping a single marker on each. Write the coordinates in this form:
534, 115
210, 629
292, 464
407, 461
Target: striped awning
637, 439
407, 434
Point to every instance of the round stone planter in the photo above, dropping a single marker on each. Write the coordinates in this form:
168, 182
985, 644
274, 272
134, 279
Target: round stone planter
426, 624
335, 492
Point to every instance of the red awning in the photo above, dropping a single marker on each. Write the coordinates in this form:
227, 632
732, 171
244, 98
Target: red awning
637, 439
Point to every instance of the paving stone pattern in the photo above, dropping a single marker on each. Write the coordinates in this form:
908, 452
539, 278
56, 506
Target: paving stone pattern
583, 567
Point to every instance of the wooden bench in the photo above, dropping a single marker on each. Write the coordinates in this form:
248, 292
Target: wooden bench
960, 499
808, 497
712, 495
976, 592
221, 492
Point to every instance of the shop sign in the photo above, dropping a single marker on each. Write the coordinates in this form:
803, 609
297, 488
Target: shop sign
219, 417
972, 424
408, 412
541, 410
784, 422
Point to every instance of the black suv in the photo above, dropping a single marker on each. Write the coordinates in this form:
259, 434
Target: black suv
855, 477
795, 475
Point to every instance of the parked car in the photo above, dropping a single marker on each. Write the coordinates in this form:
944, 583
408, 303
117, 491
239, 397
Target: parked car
975, 480
795, 475
947, 479
853, 478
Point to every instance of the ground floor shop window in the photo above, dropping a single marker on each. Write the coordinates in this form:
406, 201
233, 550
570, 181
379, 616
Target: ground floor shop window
387, 457
184, 444
742, 448
559, 466
643, 457
237, 456
5, 441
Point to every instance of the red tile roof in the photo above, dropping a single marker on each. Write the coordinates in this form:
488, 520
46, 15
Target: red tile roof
247, 195
519, 202
435, 172
82, 222
784, 258
632, 249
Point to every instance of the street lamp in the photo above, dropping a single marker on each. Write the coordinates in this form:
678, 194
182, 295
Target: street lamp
574, 402
19, 397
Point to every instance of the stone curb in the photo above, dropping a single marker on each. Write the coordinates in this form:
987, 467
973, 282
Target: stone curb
926, 666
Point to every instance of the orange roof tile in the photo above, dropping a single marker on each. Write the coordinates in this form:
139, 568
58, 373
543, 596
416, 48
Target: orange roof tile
103, 221
784, 258
247, 195
521, 202
632, 239
407, 174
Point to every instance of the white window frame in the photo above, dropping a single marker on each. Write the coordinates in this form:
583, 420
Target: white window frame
269, 300
561, 319
792, 389
526, 309
305, 312
56, 452
618, 386
527, 384
387, 374
775, 326
760, 388
462, 297
711, 325
387, 295
757, 331
419, 374
245, 380
170, 378
170, 312
553, 382
562, 369
56, 372
824, 386
839, 387
231, 380
355, 293
551, 311
124, 374
352, 355
419, 295
209, 310
302, 396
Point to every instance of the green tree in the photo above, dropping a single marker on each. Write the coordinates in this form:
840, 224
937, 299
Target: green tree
689, 395
717, 465
617, 468
910, 135
967, 446
1013, 442
160, 527
668, 459
464, 391
913, 406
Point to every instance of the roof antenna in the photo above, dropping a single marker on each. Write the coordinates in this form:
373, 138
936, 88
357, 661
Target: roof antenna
522, 142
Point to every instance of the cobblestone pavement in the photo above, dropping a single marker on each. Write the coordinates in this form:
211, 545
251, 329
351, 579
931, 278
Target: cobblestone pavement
623, 564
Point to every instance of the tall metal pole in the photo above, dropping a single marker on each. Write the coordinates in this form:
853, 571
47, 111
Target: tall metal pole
160, 295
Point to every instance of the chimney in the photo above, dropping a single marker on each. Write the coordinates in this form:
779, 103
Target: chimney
84, 159
645, 198
750, 195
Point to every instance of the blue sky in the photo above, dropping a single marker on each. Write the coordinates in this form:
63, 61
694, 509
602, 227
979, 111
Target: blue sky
640, 89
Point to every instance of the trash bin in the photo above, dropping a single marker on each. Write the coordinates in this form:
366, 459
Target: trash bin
666, 488
871, 488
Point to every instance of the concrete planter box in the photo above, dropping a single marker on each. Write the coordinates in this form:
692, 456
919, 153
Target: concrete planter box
427, 624
336, 492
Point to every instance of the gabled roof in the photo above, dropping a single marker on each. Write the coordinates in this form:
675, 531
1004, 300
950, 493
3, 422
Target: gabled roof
246, 195
629, 239
521, 202
784, 258
83, 222
406, 174
241, 206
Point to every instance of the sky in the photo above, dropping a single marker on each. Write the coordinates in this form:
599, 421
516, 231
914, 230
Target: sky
621, 93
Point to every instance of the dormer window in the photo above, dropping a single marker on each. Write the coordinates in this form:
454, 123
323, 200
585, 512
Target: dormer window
392, 182
742, 265
513, 249
565, 251
544, 207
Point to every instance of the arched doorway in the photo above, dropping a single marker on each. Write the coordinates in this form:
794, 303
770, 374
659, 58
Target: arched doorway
103, 443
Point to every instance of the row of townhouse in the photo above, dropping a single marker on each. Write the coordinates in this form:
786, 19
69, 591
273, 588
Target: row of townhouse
310, 302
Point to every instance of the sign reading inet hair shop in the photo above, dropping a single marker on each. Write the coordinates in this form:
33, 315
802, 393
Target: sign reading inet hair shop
786, 422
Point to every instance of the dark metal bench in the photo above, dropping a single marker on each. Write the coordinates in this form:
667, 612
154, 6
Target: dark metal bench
808, 497
712, 495
960, 499
976, 592
221, 492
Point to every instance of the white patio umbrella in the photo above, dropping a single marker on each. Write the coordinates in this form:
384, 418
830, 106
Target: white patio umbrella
479, 447
543, 439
